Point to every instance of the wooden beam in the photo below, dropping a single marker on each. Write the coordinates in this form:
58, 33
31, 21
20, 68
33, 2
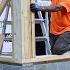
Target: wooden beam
6, 58
38, 60
48, 59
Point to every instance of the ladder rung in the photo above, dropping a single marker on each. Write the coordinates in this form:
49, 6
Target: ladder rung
8, 39
6, 53
7, 22
39, 21
44, 38
8, 33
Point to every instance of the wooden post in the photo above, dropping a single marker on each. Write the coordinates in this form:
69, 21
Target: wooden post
27, 27
23, 30
27, 18
17, 32
33, 32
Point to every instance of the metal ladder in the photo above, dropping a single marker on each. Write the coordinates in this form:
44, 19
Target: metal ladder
45, 31
7, 36
5, 22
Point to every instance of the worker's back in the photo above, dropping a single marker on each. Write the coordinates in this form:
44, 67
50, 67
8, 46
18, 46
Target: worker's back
60, 21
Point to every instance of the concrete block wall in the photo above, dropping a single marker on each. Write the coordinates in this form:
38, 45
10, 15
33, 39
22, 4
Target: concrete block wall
50, 66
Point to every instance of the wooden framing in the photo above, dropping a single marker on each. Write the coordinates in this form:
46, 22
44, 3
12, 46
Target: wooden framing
48, 59
24, 37
27, 30
24, 40
33, 31
22, 32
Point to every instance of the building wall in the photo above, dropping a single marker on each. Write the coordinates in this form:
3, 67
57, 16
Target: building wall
50, 66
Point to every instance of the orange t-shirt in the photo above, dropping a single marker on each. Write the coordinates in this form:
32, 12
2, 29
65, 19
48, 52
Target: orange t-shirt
60, 21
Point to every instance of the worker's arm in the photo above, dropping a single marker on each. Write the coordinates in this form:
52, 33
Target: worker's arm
3, 4
51, 8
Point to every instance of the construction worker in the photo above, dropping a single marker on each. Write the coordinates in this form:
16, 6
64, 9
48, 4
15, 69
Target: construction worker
60, 24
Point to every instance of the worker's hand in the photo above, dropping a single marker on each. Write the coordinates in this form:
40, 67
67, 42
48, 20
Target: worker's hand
35, 7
